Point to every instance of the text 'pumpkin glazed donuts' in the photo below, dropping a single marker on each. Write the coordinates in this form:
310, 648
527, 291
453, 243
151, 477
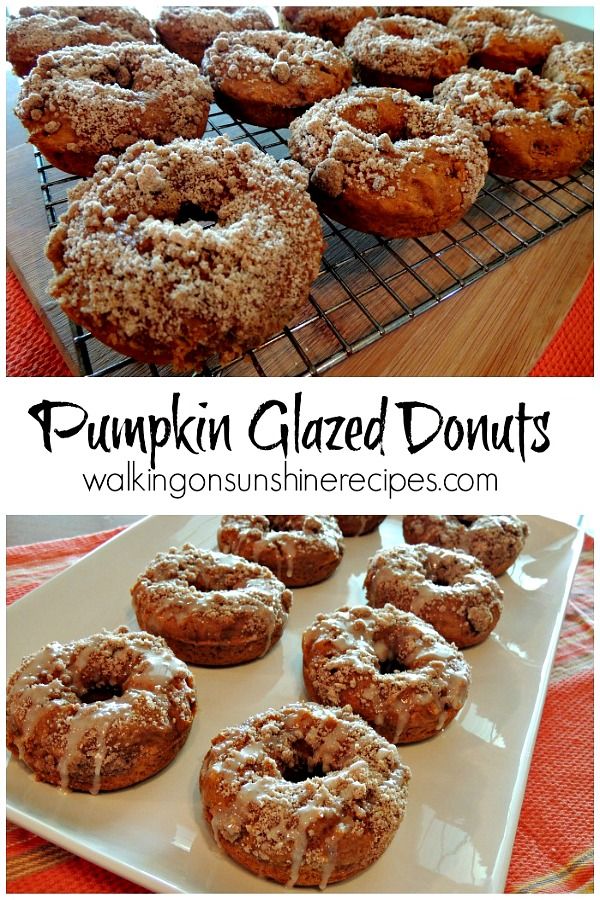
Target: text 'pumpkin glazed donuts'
213, 609
390, 666
332, 23
100, 713
135, 265
495, 540
300, 550
189, 30
83, 102
303, 795
447, 588
384, 162
270, 77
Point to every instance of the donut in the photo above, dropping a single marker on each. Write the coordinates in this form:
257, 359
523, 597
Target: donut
303, 795
125, 17
300, 550
505, 39
189, 30
332, 23
100, 713
495, 540
269, 78
352, 526
29, 37
389, 666
384, 162
447, 588
83, 102
405, 52
532, 128
135, 266
212, 609
441, 14
572, 64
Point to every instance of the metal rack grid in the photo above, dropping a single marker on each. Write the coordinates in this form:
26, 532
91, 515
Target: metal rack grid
368, 286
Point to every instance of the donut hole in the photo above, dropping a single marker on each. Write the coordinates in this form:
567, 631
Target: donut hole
379, 119
302, 770
439, 580
295, 523
467, 521
100, 692
389, 666
191, 212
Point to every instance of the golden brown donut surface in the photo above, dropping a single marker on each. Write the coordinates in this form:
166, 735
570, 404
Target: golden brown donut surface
505, 39
189, 30
135, 267
125, 17
447, 588
495, 540
332, 23
213, 609
271, 77
351, 526
30, 37
572, 64
405, 52
303, 795
532, 128
300, 550
385, 162
100, 713
389, 666
83, 102
441, 14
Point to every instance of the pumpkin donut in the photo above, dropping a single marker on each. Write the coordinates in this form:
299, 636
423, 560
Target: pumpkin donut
572, 64
532, 128
270, 77
81, 103
505, 39
352, 526
303, 795
300, 550
384, 162
332, 23
495, 540
100, 713
441, 14
389, 666
211, 608
447, 588
190, 30
405, 52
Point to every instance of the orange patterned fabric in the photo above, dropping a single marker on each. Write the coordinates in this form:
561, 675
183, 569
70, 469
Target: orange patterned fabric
570, 353
553, 847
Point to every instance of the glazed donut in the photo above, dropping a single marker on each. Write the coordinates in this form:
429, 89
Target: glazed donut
389, 666
83, 102
100, 713
405, 52
352, 526
495, 540
505, 39
447, 588
332, 23
300, 550
31, 36
532, 128
124, 17
189, 30
303, 795
384, 162
134, 266
441, 14
270, 77
212, 609
572, 64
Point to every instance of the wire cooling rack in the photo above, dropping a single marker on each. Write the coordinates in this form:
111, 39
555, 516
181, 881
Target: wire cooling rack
368, 286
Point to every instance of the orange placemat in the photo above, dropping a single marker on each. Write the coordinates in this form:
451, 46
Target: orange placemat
570, 353
554, 841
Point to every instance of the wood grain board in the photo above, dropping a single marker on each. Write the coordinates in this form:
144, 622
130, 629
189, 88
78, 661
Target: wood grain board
500, 325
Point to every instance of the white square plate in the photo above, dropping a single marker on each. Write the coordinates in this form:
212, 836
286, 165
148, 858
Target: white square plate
467, 784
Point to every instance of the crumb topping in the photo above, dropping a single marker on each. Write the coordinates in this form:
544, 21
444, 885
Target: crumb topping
572, 64
494, 100
404, 45
330, 22
381, 138
485, 27
191, 29
288, 535
196, 290
441, 14
250, 802
124, 17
